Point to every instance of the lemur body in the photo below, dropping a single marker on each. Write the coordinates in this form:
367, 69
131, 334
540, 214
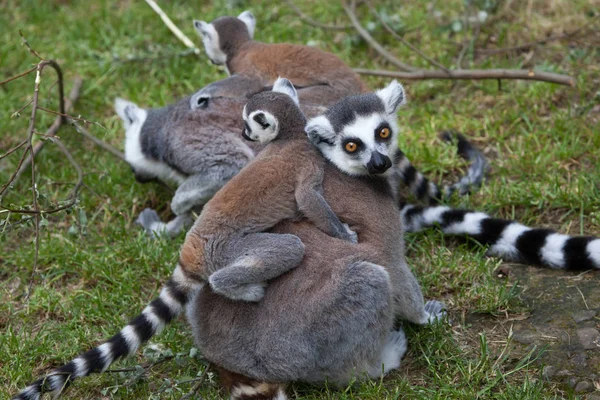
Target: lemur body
228, 41
358, 288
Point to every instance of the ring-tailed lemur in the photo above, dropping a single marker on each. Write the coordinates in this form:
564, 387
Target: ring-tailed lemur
360, 288
228, 41
201, 150
508, 239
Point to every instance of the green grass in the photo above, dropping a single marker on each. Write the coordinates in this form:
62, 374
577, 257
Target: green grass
96, 269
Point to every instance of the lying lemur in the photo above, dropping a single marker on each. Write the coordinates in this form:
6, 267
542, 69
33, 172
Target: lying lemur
229, 41
372, 275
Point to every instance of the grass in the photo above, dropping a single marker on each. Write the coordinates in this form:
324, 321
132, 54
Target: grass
96, 269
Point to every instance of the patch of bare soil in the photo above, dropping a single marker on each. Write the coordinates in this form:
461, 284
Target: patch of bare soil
563, 319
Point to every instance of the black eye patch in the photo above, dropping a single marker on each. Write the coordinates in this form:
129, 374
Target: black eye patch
379, 129
359, 145
261, 120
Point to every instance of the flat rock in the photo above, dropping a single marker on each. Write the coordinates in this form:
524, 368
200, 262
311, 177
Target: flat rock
584, 315
549, 371
592, 397
580, 360
525, 337
584, 386
589, 338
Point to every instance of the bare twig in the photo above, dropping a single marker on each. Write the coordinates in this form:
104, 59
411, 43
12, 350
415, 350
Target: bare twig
304, 17
372, 42
65, 107
535, 43
474, 74
18, 76
31, 50
198, 384
176, 31
97, 141
402, 40
17, 147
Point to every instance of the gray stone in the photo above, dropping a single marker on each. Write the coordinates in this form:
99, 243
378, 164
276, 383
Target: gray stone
584, 315
524, 337
549, 371
572, 381
563, 372
592, 397
589, 338
584, 386
580, 360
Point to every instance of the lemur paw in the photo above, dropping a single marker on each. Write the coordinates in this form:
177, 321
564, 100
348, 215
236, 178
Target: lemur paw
436, 311
251, 292
151, 223
350, 236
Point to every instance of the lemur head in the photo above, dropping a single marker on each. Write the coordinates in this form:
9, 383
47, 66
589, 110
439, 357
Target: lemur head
359, 133
275, 114
223, 36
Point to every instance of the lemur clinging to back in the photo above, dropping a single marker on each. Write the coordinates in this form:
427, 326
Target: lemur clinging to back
374, 274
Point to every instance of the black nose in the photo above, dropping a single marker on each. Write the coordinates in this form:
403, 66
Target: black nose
378, 163
245, 136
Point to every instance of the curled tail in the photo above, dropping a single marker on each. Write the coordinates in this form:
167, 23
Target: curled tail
428, 192
242, 387
508, 239
162, 310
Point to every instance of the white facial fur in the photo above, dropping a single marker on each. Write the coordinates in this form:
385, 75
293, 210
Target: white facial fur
248, 18
362, 128
133, 119
210, 39
283, 85
331, 144
257, 131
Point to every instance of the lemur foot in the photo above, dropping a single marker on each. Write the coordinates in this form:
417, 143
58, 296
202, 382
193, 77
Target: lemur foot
351, 237
391, 354
151, 223
436, 311
251, 292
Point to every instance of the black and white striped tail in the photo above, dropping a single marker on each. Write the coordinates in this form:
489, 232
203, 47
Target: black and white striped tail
508, 239
428, 192
162, 310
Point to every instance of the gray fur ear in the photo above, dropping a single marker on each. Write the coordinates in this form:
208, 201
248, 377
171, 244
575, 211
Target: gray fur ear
127, 111
247, 18
319, 131
283, 85
393, 96
201, 27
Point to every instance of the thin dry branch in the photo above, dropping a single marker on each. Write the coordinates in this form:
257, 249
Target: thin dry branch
404, 41
97, 141
304, 17
65, 107
474, 74
371, 41
535, 43
172, 27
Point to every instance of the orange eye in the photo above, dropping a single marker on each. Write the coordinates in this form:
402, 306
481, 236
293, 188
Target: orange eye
351, 147
384, 133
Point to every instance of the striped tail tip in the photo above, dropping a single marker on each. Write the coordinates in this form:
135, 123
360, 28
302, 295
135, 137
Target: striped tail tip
162, 310
258, 391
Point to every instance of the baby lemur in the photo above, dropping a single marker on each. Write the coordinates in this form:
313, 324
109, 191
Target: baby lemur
254, 65
340, 317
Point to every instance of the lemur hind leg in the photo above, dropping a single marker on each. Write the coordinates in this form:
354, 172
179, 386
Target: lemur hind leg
154, 227
194, 191
391, 354
258, 257
408, 300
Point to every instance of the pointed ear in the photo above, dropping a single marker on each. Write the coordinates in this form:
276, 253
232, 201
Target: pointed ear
127, 111
201, 27
393, 96
247, 18
283, 85
320, 131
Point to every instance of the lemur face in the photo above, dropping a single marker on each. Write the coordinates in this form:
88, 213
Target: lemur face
359, 133
261, 123
217, 34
